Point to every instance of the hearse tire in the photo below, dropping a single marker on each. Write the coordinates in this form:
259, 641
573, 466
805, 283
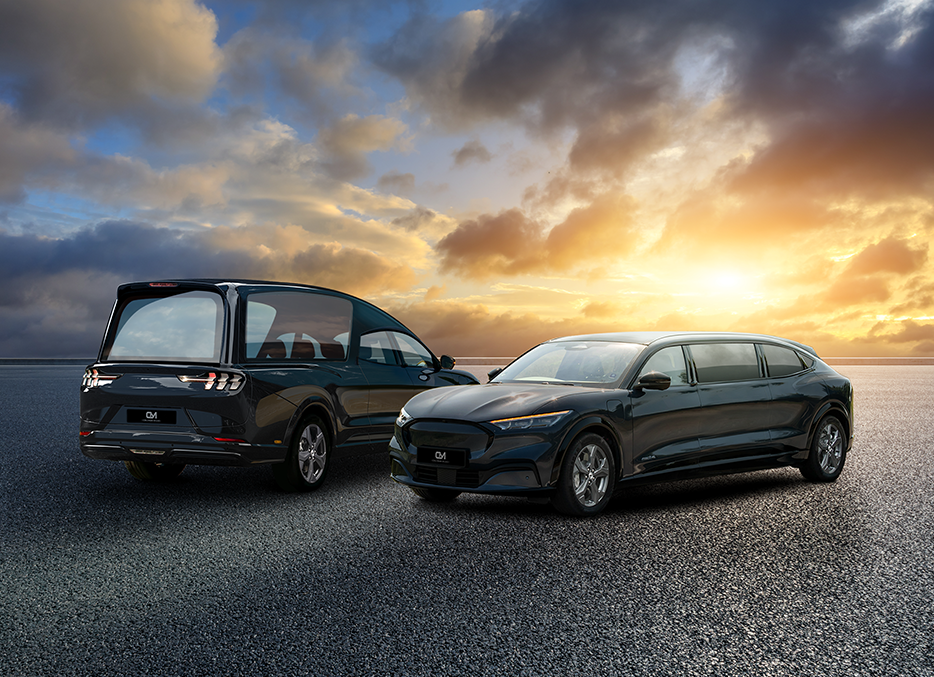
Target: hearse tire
307, 462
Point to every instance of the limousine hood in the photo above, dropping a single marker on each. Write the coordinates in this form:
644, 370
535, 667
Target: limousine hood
491, 401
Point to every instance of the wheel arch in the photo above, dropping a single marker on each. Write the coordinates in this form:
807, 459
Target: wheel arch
319, 408
838, 410
590, 424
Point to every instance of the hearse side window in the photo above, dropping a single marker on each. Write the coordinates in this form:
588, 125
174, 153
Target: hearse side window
414, 354
716, 362
185, 327
299, 326
668, 361
377, 347
782, 361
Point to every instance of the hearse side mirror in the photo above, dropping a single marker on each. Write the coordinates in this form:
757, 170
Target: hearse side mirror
493, 373
654, 380
447, 362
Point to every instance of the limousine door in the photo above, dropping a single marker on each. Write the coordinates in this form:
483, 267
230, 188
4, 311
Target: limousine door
736, 402
665, 423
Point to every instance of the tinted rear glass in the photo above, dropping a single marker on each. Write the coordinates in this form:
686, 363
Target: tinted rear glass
184, 327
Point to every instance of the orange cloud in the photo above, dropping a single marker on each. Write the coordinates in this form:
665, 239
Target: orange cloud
510, 243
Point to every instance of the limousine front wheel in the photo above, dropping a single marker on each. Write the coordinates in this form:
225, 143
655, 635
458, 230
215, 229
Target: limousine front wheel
588, 476
828, 451
147, 471
307, 462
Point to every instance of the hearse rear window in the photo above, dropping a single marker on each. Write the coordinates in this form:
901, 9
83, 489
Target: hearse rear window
184, 327
717, 362
297, 326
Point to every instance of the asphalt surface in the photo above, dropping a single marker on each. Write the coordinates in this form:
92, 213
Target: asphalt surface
221, 574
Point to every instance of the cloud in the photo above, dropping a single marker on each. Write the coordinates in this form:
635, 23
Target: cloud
83, 61
56, 290
314, 77
510, 243
396, 182
472, 151
346, 143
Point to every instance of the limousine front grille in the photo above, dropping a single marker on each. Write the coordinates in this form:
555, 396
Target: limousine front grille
461, 478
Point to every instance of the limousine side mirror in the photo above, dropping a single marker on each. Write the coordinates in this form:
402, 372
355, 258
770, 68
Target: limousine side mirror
654, 380
447, 362
493, 373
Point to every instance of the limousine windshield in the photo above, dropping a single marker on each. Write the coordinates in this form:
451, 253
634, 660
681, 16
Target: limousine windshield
579, 362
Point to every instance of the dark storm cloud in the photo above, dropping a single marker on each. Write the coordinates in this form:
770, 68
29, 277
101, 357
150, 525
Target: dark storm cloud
57, 292
844, 88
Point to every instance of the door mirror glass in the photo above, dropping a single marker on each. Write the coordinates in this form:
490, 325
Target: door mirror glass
447, 362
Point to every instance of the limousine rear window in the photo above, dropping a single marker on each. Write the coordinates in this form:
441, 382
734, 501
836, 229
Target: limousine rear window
179, 327
718, 362
295, 325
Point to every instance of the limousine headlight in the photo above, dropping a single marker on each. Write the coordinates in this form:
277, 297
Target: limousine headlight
527, 422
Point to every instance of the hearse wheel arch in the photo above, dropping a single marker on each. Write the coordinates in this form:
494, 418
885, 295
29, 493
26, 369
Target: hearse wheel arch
309, 457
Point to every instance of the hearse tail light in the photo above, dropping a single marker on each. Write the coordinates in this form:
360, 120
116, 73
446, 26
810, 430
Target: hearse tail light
93, 378
215, 380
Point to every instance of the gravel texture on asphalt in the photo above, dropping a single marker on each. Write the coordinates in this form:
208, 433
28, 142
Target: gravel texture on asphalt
219, 573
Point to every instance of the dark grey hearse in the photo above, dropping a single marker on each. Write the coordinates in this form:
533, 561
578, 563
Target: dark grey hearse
576, 418
238, 372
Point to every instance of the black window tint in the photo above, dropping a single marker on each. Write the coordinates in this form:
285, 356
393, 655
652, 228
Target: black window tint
782, 361
185, 327
717, 362
377, 347
668, 361
297, 325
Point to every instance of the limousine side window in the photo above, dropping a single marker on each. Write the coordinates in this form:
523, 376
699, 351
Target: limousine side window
717, 362
668, 361
297, 326
782, 361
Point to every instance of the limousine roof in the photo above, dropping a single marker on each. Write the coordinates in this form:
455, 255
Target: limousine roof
650, 337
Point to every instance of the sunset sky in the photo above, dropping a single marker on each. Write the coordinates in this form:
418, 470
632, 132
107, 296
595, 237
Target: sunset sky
493, 174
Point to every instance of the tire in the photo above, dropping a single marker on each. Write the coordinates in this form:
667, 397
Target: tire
154, 472
587, 479
307, 462
435, 495
828, 451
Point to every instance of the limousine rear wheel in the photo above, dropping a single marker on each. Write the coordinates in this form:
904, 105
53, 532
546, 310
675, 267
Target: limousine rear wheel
828, 451
307, 462
587, 479
148, 471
